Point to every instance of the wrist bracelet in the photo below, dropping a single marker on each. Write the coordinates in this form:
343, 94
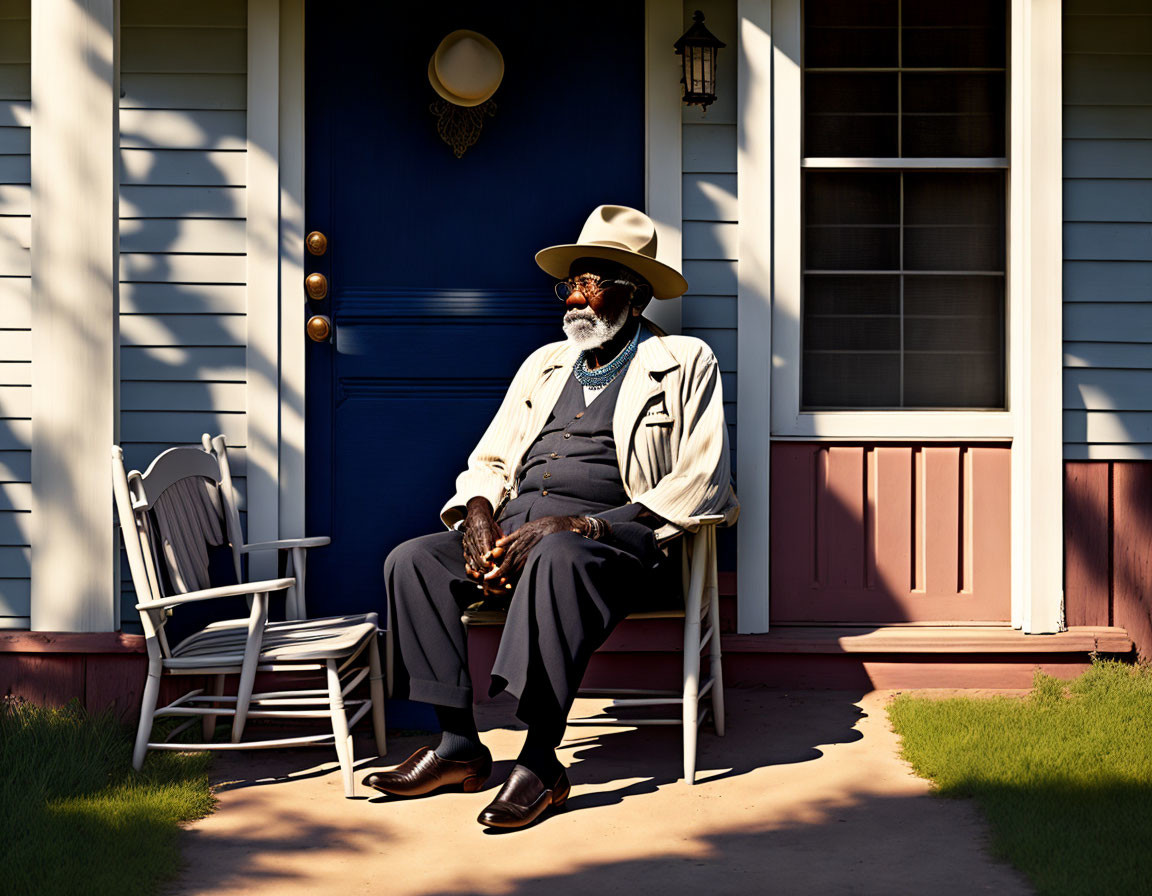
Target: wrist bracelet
598, 527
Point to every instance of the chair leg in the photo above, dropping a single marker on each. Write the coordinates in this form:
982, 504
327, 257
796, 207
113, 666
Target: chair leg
147, 713
714, 646
690, 701
208, 724
376, 692
247, 681
340, 728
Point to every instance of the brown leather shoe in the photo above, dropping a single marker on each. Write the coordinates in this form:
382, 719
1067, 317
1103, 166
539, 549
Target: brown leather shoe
424, 772
523, 799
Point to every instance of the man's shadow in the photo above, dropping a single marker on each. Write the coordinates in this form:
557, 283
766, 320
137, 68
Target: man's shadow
765, 727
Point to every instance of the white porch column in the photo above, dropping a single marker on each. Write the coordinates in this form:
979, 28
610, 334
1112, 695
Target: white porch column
758, 42
75, 90
1037, 450
263, 229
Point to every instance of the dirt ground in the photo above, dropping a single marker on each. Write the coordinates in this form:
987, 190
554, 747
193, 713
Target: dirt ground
805, 794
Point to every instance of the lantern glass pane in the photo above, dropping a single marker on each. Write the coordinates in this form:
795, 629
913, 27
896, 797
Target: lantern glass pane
697, 69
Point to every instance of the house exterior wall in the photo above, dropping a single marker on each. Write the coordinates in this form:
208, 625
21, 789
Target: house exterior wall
709, 198
15, 298
183, 209
1108, 315
1107, 230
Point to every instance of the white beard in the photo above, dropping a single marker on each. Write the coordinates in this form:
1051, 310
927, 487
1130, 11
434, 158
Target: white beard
586, 330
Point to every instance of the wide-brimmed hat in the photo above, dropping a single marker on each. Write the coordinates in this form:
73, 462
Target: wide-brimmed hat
621, 234
466, 68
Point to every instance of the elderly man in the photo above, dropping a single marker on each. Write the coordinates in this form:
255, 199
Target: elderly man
601, 442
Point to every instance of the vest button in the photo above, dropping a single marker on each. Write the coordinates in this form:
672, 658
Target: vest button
567, 435
547, 475
544, 492
581, 414
554, 455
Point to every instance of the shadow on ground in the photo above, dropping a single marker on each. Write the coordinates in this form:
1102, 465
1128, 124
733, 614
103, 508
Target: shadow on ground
805, 794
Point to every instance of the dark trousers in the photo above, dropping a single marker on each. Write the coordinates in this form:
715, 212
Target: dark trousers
571, 594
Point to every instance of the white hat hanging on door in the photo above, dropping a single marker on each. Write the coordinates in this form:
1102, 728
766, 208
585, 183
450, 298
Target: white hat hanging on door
465, 71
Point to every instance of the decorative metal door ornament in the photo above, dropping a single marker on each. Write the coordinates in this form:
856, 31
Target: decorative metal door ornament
698, 48
465, 71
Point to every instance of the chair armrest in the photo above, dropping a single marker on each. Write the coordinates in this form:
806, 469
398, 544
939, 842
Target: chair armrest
286, 544
223, 591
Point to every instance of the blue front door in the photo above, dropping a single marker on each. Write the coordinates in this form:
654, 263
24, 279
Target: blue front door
434, 295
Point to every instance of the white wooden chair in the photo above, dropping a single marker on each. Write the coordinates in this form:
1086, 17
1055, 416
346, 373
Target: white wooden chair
169, 515
292, 553
701, 617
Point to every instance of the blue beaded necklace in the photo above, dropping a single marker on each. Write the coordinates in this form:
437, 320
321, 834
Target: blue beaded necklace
604, 374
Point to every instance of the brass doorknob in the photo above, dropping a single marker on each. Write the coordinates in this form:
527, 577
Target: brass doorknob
316, 242
316, 285
319, 328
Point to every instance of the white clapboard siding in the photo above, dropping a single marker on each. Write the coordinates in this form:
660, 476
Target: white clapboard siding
15, 466
213, 362
15, 300
182, 329
163, 267
186, 235
16, 199
151, 201
181, 396
709, 202
15, 373
183, 270
174, 167
182, 129
181, 298
1107, 90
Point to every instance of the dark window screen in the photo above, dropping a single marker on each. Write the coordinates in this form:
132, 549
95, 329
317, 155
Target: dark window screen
904, 267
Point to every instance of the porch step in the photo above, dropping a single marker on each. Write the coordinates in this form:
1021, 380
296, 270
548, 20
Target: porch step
929, 639
658, 635
647, 653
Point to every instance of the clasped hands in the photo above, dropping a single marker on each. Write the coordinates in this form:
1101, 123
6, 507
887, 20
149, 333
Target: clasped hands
495, 560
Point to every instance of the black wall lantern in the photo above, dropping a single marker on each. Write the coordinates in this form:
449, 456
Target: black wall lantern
698, 48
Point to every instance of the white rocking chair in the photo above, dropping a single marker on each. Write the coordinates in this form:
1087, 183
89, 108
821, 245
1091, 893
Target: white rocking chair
169, 516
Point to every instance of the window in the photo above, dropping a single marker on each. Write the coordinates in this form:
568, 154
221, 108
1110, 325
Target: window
903, 204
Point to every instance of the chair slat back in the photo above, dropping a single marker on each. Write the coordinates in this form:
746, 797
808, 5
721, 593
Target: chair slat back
219, 446
170, 515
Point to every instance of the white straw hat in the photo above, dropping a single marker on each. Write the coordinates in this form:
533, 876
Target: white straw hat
621, 234
466, 68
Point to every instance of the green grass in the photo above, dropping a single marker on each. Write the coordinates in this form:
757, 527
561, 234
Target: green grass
75, 818
1064, 776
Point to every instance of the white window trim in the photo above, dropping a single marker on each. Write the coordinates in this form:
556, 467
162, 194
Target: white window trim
788, 420
283, 419
769, 280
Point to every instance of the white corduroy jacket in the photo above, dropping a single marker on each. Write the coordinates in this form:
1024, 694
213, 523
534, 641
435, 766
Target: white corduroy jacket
668, 425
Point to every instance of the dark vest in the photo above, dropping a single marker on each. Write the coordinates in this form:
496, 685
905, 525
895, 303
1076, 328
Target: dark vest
571, 468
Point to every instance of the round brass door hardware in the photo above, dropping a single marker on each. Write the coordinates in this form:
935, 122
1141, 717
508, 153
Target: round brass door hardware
316, 242
316, 285
319, 328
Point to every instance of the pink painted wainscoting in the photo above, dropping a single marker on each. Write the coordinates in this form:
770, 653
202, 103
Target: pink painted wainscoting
1108, 547
890, 533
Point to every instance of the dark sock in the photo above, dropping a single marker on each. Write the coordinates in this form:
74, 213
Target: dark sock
539, 752
460, 740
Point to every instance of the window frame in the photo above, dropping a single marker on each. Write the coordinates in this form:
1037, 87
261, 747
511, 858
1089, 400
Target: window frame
788, 420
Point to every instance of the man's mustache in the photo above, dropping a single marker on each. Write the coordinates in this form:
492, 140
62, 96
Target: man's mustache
586, 314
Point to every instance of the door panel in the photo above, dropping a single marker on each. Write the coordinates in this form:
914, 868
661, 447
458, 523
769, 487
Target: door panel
434, 293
